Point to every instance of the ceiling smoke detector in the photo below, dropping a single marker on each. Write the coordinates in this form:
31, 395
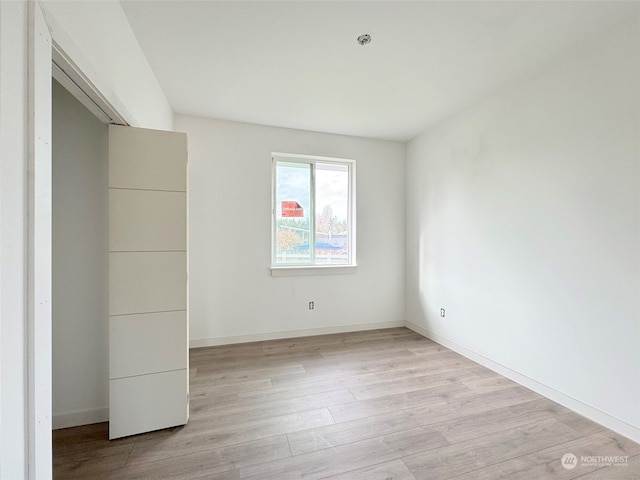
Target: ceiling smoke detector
364, 39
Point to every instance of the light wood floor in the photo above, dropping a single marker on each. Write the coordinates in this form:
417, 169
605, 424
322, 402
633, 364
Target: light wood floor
384, 404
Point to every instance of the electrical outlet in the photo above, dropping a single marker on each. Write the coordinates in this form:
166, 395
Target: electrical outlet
312, 305
442, 312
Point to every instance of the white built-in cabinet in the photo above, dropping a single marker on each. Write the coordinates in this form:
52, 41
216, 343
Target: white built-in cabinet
148, 315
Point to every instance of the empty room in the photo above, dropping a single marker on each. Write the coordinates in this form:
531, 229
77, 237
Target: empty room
346, 240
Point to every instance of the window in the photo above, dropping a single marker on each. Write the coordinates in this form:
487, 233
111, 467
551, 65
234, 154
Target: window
313, 211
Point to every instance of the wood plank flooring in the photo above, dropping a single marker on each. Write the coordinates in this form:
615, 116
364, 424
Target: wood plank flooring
376, 405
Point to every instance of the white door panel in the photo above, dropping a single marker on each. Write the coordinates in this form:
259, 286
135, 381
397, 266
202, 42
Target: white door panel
147, 343
147, 220
145, 159
143, 282
147, 402
148, 314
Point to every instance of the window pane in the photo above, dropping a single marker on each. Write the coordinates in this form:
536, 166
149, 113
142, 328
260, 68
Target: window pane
293, 207
332, 214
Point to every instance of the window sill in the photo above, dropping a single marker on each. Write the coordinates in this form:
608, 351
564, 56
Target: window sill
313, 270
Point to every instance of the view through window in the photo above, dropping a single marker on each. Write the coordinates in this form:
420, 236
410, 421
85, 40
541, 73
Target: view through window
313, 205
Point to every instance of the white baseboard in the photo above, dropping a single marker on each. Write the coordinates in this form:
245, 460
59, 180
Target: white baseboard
598, 416
215, 341
82, 417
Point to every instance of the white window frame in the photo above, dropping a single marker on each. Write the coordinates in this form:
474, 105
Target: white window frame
312, 268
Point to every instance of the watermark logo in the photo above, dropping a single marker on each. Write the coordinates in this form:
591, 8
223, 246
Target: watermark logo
604, 460
569, 461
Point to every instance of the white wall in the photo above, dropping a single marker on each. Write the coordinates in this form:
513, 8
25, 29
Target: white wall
232, 294
25, 253
96, 35
523, 221
13, 239
80, 263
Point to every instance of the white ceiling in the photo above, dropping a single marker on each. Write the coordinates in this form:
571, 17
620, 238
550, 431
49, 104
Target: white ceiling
297, 64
